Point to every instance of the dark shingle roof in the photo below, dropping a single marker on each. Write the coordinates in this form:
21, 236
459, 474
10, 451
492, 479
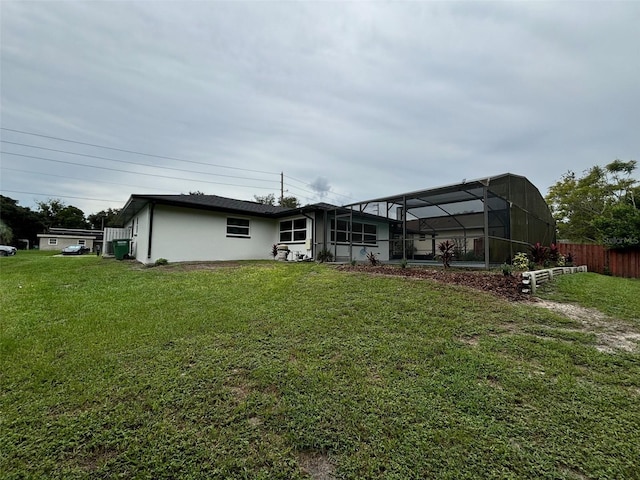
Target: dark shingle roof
74, 232
203, 202
218, 203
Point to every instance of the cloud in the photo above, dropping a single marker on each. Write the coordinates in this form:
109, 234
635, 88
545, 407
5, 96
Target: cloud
321, 186
367, 98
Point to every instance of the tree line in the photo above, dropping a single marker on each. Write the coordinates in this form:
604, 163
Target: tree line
18, 223
602, 205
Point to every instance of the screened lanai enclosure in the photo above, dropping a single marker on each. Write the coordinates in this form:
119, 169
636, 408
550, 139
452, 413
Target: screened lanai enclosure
489, 220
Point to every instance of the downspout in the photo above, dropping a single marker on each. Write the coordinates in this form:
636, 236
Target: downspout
151, 209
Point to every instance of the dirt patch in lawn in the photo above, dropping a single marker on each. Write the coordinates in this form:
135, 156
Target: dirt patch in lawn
612, 333
317, 465
189, 266
494, 283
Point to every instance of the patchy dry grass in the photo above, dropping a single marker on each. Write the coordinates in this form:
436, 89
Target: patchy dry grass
612, 333
267, 370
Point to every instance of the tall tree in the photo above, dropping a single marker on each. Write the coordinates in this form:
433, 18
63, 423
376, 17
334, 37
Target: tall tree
265, 199
55, 213
599, 206
6, 234
289, 202
25, 224
104, 218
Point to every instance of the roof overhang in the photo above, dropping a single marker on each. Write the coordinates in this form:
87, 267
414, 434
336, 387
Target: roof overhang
58, 235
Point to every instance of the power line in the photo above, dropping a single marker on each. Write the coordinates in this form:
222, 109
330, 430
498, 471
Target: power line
132, 163
74, 178
314, 193
61, 196
134, 173
133, 152
297, 180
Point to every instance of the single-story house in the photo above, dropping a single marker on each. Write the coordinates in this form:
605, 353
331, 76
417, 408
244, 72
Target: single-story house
489, 219
58, 238
209, 227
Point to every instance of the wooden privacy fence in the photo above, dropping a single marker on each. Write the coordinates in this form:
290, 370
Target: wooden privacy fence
600, 259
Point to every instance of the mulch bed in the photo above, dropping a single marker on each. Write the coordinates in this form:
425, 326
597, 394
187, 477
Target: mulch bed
494, 283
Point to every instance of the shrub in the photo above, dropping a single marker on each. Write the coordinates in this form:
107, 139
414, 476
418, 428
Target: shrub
274, 250
520, 261
568, 260
539, 253
506, 269
373, 260
403, 263
325, 255
161, 261
446, 249
471, 256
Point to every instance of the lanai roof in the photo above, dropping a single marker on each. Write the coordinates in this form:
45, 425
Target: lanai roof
454, 193
456, 199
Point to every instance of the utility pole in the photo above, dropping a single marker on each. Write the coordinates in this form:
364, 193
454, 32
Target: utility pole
281, 187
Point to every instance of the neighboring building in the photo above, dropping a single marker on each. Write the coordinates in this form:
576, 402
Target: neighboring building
489, 219
208, 227
59, 238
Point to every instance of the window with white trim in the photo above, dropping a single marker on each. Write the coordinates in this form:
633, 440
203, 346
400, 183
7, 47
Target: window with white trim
53, 241
82, 242
237, 227
361, 234
293, 230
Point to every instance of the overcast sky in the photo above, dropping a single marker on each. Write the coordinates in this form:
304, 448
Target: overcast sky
351, 100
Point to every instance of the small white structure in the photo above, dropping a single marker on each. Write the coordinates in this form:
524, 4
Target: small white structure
111, 234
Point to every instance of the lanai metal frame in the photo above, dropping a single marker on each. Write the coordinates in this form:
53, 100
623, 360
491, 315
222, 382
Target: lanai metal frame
505, 202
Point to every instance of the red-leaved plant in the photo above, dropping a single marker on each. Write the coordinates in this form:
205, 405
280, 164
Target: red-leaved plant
446, 250
539, 253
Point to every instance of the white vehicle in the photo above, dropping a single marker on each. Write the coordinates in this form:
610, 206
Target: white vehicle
6, 250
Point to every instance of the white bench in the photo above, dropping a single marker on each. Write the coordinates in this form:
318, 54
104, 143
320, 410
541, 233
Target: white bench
530, 280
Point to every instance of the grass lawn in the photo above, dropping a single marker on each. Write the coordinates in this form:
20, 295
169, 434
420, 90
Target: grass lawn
617, 297
266, 370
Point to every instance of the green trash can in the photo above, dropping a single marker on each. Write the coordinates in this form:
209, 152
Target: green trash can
121, 248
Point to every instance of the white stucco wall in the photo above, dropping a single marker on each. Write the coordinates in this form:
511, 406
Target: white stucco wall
457, 236
360, 252
303, 248
139, 228
182, 235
